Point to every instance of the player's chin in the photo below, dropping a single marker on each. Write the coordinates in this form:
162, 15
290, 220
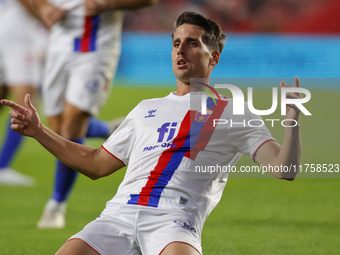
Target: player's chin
182, 75
184, 79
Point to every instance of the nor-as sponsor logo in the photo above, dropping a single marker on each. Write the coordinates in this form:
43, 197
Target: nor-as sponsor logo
166, 133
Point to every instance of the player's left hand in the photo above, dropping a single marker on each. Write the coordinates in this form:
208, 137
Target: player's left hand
292, 111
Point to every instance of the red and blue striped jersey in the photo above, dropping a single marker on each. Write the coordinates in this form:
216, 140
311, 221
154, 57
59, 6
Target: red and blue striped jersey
165, 141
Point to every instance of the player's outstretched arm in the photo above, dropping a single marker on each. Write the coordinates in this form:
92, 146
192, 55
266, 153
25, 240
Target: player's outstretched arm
289, 154
93, 7
94, 163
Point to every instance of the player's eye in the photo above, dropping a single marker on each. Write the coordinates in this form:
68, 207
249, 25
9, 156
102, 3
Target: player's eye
176, 44
193, 43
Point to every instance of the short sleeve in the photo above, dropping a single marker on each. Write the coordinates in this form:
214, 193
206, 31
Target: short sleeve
121, 142
248, 133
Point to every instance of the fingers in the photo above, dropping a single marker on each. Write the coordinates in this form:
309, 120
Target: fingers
13, 105
292, 95
296, 85
56, 15
16, 115
296, 82
94, 7
51, 14
18, 121
282, 84
91, 7
28, 102
18, 124
17, 107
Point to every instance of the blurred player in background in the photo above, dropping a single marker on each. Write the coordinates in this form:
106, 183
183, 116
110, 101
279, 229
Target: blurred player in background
22, 53
163, 202
82, 56
22, 41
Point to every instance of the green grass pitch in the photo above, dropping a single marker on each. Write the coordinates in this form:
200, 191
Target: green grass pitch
255, 215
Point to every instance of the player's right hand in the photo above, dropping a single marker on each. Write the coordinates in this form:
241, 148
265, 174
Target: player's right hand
292, 111
26, 120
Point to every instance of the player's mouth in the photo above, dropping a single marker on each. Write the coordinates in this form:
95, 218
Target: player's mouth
181, 63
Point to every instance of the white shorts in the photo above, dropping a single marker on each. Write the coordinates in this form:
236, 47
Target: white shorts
136, 230
81, 79
20, 62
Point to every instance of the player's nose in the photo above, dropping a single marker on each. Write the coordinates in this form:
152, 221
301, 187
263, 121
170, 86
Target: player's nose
181, 49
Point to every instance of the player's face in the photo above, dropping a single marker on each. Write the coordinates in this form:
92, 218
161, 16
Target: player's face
191, 57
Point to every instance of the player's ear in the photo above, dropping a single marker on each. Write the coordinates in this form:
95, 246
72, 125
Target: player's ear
215, 58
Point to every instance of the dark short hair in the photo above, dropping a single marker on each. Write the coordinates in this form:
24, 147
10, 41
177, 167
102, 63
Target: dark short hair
213, 35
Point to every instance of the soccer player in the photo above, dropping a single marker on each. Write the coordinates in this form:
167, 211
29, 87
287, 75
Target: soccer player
21, 53
22, 50
82, 56
162, 203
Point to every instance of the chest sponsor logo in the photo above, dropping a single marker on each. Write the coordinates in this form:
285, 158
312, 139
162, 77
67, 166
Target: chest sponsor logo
166, 133
168, 128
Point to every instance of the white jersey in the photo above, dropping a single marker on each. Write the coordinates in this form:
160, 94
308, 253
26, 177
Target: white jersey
162, 142
76, 32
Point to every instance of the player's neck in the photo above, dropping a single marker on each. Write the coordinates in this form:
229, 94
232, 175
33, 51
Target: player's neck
182, 88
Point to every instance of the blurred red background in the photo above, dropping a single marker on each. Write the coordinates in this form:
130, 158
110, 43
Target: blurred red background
264, 16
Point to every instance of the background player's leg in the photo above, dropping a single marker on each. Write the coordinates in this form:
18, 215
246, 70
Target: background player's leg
74, 123
12, 142
97, 128
102, 129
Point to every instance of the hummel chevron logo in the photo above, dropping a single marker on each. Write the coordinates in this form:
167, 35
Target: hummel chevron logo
151, 114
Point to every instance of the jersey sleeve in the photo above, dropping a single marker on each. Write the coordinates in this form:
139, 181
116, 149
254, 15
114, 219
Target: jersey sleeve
248, 133
121, 142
